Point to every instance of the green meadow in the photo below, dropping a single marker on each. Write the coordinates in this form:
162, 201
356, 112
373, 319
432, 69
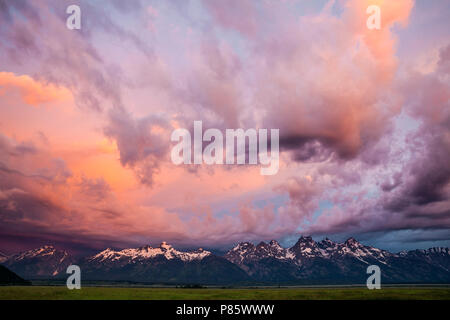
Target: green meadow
130, 293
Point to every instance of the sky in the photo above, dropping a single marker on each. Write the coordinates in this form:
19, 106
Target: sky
86, 118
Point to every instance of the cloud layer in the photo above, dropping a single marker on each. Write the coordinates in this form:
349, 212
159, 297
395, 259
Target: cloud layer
87, 116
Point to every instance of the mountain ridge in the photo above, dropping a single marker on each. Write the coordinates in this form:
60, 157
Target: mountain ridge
37, 263
326, 261
307, 261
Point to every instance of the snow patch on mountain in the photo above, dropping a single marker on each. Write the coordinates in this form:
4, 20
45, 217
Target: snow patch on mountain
40, 262
307, 248
39, 252
246, 251
148, 252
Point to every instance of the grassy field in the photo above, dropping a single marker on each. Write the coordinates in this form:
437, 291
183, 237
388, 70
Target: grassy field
115, 293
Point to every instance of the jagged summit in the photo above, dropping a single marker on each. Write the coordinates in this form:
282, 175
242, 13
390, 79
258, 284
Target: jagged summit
39, 262
327, 242
274, 243
47, 250
147, 252
248, 251
165, 245
306, 248
425, 252
305, 240
352, 242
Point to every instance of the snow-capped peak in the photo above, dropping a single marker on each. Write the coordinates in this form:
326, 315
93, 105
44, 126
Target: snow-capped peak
165, 245
274, 243
441, 250
352, 242
50, 260
306, 248
148, 252
248, 251
305, 239
42, 251
327, 242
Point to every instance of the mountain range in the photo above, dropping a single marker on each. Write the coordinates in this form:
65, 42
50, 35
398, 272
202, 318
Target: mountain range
306, 262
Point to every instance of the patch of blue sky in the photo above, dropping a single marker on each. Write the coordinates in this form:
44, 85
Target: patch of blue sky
276, 201
322, 207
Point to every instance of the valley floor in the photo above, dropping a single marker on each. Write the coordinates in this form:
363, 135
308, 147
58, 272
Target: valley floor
130, 293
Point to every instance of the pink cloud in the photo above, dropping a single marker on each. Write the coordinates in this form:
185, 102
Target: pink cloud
332, 87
